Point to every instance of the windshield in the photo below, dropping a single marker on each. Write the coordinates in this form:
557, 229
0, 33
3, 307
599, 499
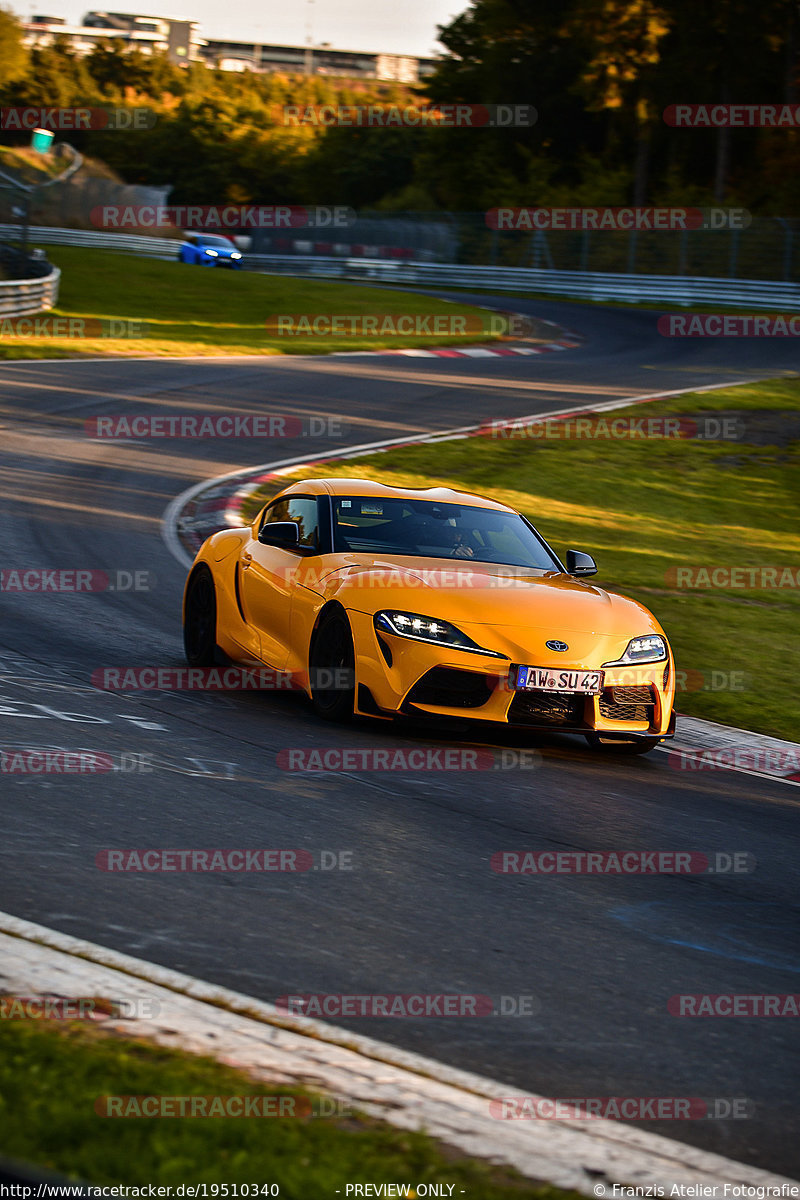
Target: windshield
427, 529
209, 239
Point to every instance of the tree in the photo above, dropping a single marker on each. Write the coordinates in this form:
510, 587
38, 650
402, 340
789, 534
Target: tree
13, 54
624, 38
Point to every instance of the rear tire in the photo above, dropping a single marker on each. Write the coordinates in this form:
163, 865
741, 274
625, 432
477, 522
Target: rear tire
332, 668
611, 745
200, 620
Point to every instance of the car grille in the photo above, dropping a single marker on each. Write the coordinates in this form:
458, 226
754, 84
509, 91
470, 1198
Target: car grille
447, 687
545, 708
627, 703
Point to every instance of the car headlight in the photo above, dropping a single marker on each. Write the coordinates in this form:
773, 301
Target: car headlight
652, 647
236, 254
210, 253
428, 629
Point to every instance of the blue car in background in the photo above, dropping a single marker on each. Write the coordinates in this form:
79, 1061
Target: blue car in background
209, 250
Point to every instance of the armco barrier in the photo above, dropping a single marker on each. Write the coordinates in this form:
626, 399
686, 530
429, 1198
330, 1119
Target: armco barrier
92, 238
18, 297
32, 288
658, 290
661, 290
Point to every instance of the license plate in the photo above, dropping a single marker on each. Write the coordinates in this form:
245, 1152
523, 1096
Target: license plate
542, 679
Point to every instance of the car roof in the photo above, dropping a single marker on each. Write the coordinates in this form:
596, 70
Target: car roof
367, 487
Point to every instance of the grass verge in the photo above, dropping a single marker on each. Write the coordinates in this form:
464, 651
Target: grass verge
179, 310
645, 508
51, 1077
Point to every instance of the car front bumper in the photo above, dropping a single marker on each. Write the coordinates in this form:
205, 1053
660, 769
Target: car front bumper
404, 677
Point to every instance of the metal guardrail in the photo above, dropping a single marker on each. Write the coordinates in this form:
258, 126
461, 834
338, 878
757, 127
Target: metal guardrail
32, 285
18, 297
129, 243
667, 290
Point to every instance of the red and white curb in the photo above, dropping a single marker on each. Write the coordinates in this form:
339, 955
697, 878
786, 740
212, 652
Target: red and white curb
570, 341
401, 1088
461, 352
698, 747
707, 746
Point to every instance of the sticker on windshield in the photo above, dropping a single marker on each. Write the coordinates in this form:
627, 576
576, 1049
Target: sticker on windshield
345, 504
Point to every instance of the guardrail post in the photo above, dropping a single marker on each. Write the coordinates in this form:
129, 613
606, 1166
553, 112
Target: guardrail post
26, 219
535, 250
787, 262
632, 251
584, 265
733, 261
788, 238
540, 246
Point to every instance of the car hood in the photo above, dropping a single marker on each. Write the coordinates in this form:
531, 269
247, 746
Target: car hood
477, 594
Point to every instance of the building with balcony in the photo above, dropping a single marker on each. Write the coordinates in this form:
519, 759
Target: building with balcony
174, 36
179, 38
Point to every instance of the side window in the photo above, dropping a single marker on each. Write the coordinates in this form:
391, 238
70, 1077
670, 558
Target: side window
303, 510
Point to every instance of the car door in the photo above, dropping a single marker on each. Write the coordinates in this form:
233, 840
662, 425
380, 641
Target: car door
270, 575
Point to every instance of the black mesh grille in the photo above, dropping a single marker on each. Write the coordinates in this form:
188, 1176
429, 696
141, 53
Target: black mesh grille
632, 695
545, 708
447, 687
627, 703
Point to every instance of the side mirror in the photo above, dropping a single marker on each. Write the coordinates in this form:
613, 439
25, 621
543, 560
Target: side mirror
285, 534
579, 564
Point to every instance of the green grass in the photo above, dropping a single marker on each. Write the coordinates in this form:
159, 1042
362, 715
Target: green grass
50, 1078
203, 311
643, 507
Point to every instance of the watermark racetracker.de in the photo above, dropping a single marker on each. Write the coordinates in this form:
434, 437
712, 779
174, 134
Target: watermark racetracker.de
76, 1008
408, 1005
75, 119
615, 429
223, 426
49, 327
622, 862
68, 580
192, 679
55, 760
759, 1004
614, 220
163, 860
728, 325
260, 1105
235, 218
389, 325
621, 1108
420, 758
723, 578
732, 116
460, 115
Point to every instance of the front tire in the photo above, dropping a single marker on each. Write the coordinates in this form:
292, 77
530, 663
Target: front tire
332, 668
200, 620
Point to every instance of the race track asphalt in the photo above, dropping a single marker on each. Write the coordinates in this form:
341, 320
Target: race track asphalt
421, 910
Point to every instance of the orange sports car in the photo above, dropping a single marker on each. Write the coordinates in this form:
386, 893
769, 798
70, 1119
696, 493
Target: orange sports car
390, 602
